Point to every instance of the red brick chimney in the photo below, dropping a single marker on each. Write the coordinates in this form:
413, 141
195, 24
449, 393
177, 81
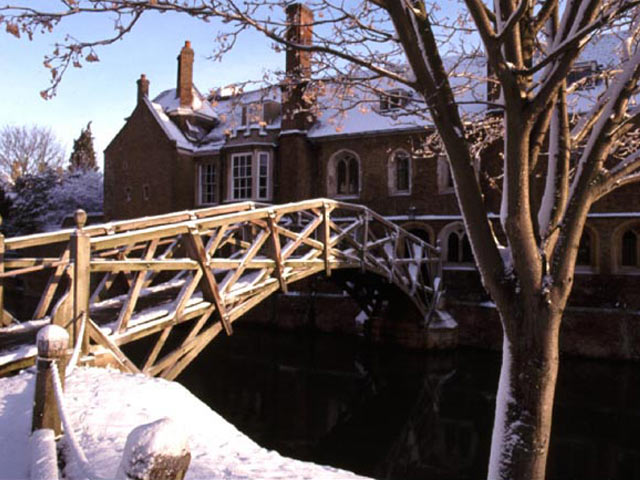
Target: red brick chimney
143, 87
297, 103
185, 75
300, 31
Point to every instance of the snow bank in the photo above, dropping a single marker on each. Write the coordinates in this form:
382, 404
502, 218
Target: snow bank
105, 406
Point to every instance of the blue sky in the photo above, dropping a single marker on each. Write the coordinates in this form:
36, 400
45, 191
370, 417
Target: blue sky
105, 92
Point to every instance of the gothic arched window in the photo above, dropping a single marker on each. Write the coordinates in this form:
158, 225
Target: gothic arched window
344, 174
399, 171
457, 244
587, 249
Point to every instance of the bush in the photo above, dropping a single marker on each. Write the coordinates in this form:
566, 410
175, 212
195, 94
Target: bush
41, 201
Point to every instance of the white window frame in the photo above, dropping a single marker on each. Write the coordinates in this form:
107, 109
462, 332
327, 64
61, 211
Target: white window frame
394, 99
214, 184
260, 156
233, 178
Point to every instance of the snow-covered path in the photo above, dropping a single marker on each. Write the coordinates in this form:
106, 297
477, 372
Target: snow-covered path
106, 405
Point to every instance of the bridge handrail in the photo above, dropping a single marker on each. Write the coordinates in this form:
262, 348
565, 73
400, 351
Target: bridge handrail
47, 238
119, 239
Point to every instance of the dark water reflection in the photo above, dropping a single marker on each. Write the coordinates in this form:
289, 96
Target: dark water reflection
393, 414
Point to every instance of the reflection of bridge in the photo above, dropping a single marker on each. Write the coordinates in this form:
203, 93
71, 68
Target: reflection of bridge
118, 283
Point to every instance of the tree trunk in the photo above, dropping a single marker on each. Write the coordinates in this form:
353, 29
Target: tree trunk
524, 403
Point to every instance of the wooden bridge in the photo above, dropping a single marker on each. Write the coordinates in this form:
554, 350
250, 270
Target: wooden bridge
135, 280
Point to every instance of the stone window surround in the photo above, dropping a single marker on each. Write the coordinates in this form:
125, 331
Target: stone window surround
616, 248
456, 228
332, 174
593, 266
392, 173
445, 181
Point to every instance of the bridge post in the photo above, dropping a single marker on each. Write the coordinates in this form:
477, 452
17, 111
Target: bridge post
52, 342
365, 239
155, 451
326, 230
80, 247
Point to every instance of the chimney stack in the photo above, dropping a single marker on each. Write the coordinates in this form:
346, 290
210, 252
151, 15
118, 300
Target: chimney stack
185, 75
297, 102
300, 31
143, 87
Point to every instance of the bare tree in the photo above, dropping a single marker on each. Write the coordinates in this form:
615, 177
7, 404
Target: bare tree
531, 47
28, 150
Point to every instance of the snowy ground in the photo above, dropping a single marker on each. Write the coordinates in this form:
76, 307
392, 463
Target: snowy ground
105, 406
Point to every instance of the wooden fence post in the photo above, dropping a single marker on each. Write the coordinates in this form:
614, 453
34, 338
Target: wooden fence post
80, 246
155, 451
52, 342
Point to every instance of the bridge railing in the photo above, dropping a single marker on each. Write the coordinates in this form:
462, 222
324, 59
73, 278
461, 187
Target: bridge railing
32, 254
145, 278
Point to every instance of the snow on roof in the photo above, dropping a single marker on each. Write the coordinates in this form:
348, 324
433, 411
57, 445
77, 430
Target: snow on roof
195, 138
170, 129
360, 112
371, 112
170, 103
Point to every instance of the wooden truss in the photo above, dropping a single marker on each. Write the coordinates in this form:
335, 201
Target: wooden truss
205, 268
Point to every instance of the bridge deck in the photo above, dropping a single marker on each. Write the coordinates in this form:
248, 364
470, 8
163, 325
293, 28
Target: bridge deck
141, 278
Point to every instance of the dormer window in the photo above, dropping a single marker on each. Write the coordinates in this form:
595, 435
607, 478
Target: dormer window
394, 99
585, 74
264, 113
251, 114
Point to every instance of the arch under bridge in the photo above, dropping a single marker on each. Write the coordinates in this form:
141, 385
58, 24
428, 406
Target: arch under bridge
122, 282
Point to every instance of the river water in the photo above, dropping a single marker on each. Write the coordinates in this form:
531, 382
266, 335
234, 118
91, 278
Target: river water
394, 414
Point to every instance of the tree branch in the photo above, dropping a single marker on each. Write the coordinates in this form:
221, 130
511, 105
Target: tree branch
513, 20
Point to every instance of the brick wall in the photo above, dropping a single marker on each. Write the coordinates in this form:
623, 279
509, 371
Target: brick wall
140, 155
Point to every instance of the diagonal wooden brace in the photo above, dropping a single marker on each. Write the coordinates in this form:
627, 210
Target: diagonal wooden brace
277, 252
210, 291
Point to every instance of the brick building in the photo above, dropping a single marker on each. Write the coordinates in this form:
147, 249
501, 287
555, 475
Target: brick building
185, 150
